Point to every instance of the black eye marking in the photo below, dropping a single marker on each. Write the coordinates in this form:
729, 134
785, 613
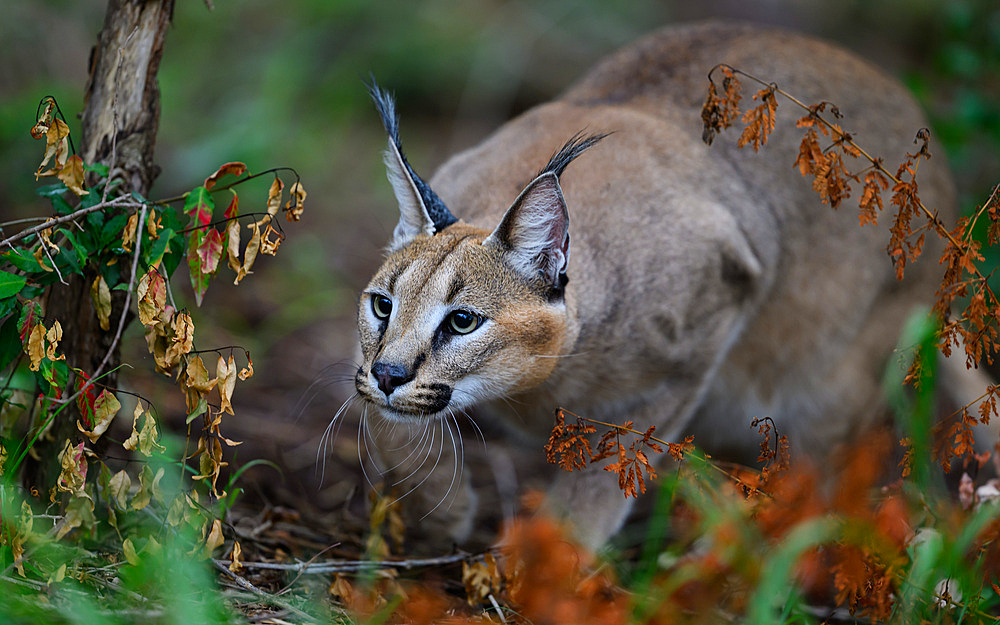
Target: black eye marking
381, 306
462, 322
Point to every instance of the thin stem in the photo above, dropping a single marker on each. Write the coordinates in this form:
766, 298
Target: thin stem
273, 170
121, 319
621, 428
118, 202
846, 138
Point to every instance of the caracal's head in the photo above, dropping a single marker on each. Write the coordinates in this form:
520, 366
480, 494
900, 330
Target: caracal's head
457, 314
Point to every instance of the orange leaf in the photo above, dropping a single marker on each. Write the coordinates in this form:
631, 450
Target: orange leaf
759, 120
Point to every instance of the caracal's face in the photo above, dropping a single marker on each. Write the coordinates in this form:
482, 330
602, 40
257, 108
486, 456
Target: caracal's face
445, 324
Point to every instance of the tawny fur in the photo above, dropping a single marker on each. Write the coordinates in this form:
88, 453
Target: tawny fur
707, 285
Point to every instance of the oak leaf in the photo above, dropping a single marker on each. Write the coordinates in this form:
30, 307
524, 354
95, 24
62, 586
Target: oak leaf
718, 111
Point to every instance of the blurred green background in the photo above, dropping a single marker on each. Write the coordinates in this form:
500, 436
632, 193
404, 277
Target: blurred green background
280, 83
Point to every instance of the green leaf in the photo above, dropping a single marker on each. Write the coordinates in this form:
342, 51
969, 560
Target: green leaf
51, 190
10, 284
199, 409
175, 254
98, 168
111, 231
152, 252
68, 262
22, 259
199, 279
776, 579
60, 205
81, 250
10, 342
199, 205
7, 305
95, 219
55, 374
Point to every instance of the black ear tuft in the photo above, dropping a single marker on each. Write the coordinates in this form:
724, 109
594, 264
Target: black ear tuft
386, 107
577, 145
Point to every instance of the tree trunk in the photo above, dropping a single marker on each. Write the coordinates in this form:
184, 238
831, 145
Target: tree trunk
119, 123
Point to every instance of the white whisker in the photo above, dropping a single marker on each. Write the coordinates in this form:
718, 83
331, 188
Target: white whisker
368, 438
571, 355
322, 380
361, 424
479, 432
431, 471
455, 470
425, 443
413, 449
329, 436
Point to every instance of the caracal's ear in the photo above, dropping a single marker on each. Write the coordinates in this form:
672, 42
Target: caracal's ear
534, 233
421, 211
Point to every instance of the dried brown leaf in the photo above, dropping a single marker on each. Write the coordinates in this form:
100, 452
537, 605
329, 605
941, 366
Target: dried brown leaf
294, 206
100, 296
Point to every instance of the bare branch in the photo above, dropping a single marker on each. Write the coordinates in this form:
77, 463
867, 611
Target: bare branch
118, 202
121, 318
349, 566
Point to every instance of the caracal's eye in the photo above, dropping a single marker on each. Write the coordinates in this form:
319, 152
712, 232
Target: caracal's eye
462, 322
381, 306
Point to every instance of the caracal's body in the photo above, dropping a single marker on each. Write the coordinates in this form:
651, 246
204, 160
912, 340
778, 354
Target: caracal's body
706, 285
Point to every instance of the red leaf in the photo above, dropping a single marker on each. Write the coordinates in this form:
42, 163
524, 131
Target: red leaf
199, 279
210, 251
199, 205
234, 206
85, 401
234, 168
